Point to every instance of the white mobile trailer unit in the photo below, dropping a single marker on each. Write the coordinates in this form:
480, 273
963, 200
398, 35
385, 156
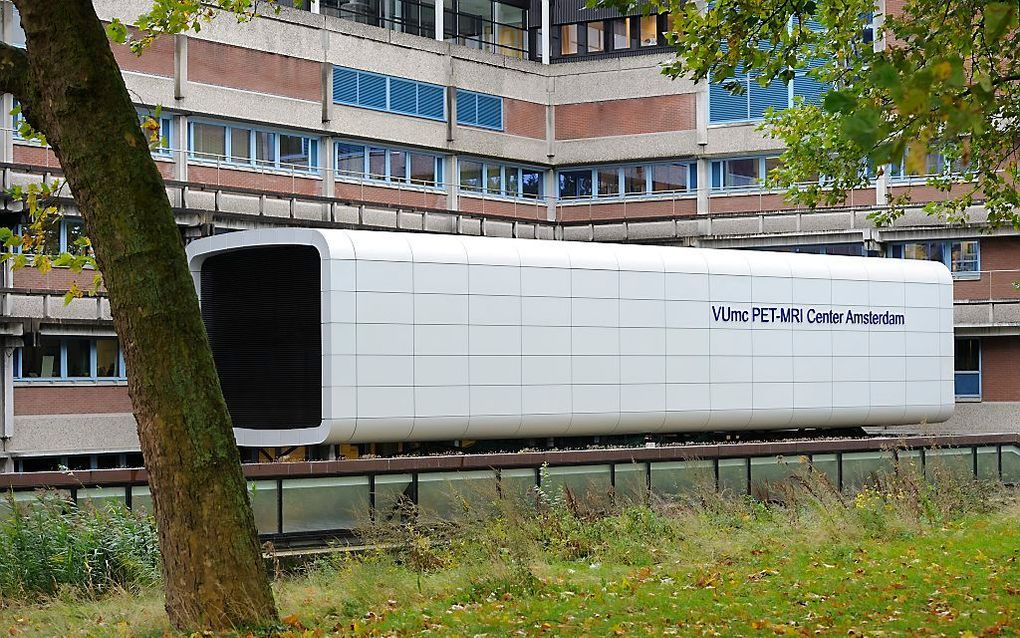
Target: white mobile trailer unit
327, 336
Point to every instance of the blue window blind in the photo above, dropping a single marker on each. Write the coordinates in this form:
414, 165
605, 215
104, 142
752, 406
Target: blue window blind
808, 88
479, 109
388, 93
776, 95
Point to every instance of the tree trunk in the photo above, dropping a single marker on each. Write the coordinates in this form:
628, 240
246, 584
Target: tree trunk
75, 95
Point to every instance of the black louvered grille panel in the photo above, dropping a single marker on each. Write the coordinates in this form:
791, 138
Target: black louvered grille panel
261, 309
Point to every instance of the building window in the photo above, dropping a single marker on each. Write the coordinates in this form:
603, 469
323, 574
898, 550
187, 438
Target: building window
649, 30
575, 184
357, 161
968, 368
70, 358
568, 39
596, 36
743, 173
64, 235
962, 257
628, 181
208, 141
500, 180
621, 34
935, 164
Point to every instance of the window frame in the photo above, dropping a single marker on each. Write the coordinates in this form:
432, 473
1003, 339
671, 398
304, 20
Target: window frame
503, 168
897, 250
648, 167
971, 374
19, 370
254, 162
387, 177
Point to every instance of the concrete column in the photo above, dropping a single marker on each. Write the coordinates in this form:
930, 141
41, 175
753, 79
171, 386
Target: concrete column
704, 185
440, 15
315, 6
7, 139
180, 65
551, 193
546, 30
452, 182
6, 406
327, 158
179, 148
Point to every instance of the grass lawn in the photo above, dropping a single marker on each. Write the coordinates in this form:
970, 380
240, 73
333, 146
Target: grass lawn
886, 563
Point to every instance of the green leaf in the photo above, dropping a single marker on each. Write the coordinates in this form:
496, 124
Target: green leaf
862, 127
839, 102
116, 31
1000, 17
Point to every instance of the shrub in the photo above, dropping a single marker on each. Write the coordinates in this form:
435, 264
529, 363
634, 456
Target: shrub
49, 545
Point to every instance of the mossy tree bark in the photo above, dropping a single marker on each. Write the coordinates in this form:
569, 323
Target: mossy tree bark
72, 91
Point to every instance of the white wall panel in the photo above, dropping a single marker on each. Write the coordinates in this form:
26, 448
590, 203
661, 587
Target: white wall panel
437, 337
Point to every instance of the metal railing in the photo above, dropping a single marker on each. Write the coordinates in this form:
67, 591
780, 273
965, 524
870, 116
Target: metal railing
319, 499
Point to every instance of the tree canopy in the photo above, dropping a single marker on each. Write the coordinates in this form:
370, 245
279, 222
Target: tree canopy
944, 81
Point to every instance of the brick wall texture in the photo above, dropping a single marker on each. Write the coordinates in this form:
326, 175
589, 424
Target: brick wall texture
625, 117
227, 65
158, 59
85, 399
999, 356
526, 119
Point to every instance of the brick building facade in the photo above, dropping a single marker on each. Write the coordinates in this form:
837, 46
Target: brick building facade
558, 130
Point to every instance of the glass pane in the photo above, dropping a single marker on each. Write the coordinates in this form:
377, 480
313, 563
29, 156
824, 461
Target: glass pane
673, 478
827, 464
863, 468
733, 475
568, 39
669, 177
1010, 464
596, 36
631, 483
513, 181
75, 231
741, 173
518, 483
423, 169
208, 141
988, 463
265, 148
41, 360
79, 357
470, 175
769, 471
494, 179
621, 34
915, 251
263, 496
574, 184
955, 462
141, 499
587, 483
634, 179
531, 183
771, 163
240, 145
335, 503
101, 497
609, 182
295, 151
447, 495
377, 163
964, 256
350, 160
393, 497
398, 166
649, 31
968, 355
909, 462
